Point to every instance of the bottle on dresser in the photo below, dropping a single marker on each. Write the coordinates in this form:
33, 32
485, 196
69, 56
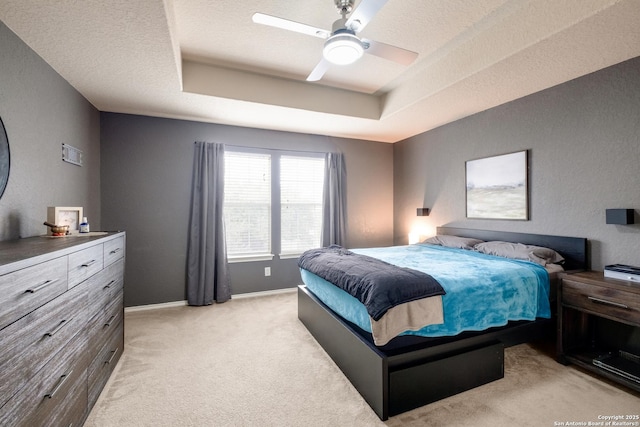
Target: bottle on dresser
84, 225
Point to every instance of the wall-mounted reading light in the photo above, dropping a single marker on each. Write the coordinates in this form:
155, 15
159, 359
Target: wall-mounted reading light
620, 216
423, 212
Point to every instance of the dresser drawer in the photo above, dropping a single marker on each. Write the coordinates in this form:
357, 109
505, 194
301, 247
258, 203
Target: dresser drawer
39, 401
105, 286
100, 328
612, 303
72, 412
101, 367
30, 342
113, 250
67, 412
84, 264
25, 290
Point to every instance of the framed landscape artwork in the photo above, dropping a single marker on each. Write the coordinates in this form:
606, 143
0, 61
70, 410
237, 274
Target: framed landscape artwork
497, 187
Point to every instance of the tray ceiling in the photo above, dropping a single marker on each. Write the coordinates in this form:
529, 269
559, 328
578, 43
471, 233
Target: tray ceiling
207, 61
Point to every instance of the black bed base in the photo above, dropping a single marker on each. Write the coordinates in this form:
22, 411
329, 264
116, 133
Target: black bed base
395, 381
410, 372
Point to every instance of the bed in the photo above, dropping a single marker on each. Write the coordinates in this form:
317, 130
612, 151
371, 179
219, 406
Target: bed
411, 370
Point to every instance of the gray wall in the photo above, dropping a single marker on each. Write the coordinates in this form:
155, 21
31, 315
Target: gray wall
40, 111
146, 183
584, 142
584, 139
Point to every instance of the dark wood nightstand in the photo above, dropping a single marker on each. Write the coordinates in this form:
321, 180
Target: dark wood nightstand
599, 325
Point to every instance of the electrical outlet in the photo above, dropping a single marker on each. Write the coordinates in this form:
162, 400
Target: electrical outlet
267, 271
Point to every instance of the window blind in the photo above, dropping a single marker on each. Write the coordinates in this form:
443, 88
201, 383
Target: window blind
301, 187
247, 203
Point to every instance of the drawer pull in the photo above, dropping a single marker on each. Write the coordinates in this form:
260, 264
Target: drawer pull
115, 251
110, 321
87, 264
108, 285
40, 286
57, 328
61, 381
604, 301
113, 354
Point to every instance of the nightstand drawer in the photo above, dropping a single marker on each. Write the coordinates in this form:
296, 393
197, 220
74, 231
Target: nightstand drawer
615, 304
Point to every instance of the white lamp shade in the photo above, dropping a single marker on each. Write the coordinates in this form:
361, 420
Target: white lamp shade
342, 49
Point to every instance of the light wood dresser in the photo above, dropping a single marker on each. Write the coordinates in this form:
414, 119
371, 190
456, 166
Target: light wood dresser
61, 325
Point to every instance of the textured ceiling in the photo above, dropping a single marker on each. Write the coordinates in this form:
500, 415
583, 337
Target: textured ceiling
207, 61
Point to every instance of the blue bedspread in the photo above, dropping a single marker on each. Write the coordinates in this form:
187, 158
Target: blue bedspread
482, 291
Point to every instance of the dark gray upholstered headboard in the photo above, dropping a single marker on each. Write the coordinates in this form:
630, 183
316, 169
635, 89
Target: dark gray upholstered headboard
573, 249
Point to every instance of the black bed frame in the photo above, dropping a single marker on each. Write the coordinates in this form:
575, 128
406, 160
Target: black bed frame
409, 371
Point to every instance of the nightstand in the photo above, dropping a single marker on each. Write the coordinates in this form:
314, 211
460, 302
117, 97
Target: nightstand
599, 326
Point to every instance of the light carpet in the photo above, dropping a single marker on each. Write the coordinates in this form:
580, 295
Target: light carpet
250, 362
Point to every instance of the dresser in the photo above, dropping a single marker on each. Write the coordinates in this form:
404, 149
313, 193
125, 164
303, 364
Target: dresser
61, 325
599, 326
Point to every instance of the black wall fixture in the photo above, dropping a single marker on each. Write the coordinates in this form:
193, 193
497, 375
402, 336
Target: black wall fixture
620, 216
423, 212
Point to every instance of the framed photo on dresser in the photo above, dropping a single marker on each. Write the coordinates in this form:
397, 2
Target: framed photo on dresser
64, 215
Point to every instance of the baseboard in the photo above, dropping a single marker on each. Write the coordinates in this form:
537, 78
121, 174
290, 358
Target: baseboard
263, 293
155, 306
183, 303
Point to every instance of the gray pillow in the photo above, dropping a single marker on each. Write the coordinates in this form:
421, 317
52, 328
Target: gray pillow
537, 254
453, 241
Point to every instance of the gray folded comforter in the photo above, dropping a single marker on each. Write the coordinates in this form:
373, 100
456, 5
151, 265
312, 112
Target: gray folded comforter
375, 283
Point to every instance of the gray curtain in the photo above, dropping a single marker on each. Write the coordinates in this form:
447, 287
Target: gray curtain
334, 205
207, 267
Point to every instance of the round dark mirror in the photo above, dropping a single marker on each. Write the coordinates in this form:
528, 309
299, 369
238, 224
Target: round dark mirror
4, 158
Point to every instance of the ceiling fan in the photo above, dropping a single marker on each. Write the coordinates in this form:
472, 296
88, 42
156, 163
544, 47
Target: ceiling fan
342, 45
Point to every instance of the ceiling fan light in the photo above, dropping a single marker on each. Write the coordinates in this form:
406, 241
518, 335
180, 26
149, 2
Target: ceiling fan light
342, 49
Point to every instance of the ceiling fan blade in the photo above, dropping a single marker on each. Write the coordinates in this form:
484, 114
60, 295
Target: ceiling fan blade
392, 53
285, 24
319, 70
365, 11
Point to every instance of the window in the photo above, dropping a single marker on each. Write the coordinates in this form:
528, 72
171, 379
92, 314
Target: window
272, 204
247, 204
301, 183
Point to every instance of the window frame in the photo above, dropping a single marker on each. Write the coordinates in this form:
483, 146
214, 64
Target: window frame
276, 209
265, 256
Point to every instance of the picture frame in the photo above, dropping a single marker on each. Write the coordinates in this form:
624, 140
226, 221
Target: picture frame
5, 158
65, 215
497, 187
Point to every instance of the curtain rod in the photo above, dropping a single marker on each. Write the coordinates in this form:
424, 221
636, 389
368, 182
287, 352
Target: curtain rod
270, 149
